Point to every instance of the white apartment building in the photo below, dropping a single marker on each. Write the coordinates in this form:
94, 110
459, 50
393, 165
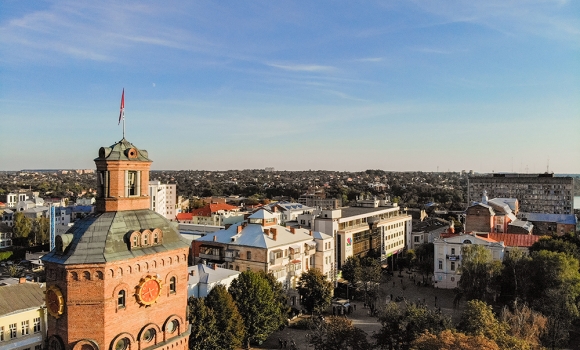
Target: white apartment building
163, 199
373, 224
449, 252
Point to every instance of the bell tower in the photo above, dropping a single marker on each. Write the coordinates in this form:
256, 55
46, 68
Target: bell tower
122, 178
117, 280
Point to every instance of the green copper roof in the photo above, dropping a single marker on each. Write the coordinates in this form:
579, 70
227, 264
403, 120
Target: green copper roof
103, 237
120, 151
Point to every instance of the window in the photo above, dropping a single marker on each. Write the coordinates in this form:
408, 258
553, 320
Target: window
145, 239
172, 285
12, 330
135, 240
440, 265
249, 255
132, 183
37, 325
121, 299
416, 239
155, 238
453, 266
1, 333
452, 251
38, 347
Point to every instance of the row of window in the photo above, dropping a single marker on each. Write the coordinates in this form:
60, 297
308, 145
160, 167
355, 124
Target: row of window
24, 329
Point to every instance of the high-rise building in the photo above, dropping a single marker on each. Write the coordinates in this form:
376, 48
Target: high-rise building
117, 279
163, 199
536, 193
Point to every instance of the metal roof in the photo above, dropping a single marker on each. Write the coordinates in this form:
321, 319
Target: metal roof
101, 237
119, 151
23, 296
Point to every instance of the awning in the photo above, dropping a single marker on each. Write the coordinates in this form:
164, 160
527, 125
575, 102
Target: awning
296, 261
295, 247
311, 243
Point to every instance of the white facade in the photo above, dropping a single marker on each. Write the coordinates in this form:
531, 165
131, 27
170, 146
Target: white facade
352, 232
448, 257
163, 199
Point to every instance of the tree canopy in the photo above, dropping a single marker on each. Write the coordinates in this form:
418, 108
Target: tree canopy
204, 332
257, 304
228, 320
336, 332
315, 291
479, 273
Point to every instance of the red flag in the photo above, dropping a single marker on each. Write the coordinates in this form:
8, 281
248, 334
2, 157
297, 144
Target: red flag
122, 112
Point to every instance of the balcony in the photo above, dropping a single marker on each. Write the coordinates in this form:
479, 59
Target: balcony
231, 255
210, 256
453, 257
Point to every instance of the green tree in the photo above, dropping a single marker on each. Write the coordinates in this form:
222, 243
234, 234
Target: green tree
279, 295
337, 333
228, 320
204, 332
401, 326
257, 304
514, 281
556, 244
351, 270
479, 273
315, 291
40, 231
22, 227
478, 319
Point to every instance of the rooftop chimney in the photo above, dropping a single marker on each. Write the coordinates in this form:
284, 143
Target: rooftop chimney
267, 231
240, 228
214, 238
214, 266
292, 229
22, 280
274, 233
192, 272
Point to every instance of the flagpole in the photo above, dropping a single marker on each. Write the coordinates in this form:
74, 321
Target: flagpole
123, 123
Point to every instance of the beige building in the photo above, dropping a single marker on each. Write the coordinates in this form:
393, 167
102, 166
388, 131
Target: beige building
260, 244
22, 316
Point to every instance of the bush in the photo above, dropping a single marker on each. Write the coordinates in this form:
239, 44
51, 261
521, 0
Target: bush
5, 255
304, 323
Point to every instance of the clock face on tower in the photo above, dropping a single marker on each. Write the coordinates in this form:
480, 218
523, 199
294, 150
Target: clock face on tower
148, 290
54, 301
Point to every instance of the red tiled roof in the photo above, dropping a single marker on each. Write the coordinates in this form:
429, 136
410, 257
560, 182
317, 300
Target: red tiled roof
514, 240
184, 217
209, 209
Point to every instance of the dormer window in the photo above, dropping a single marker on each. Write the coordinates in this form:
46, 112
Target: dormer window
155, 238
146, 239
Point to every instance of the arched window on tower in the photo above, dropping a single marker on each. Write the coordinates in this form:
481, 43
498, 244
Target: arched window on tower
121, 299
172, 285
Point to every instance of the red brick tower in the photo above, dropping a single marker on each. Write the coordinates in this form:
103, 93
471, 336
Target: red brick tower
117, 280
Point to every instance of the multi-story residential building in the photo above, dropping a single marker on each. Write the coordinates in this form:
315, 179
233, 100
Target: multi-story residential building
216, 214
163, 199
536, 193
287, 211
22, 316
5, 236
449, 251
495, 216
427, 230
317, 199
8, 217
551, 224
260, 244
373, 224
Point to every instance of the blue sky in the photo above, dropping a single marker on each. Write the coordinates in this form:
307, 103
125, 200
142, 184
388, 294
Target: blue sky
340, 85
